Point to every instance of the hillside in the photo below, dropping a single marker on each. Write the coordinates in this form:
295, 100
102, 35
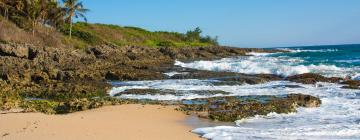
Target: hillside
86, 34
134, 36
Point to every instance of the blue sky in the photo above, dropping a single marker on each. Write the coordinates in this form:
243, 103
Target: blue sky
242, 23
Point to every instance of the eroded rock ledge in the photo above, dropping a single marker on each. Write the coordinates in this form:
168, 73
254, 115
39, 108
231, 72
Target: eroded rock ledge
239, 107
311, 78
64, 73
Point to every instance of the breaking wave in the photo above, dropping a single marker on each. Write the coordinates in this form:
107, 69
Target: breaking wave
337, 118
264, 64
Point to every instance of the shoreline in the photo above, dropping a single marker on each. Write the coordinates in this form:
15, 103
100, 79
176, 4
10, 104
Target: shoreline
112, 122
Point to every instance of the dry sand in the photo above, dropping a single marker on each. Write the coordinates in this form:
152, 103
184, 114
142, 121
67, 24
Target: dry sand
124, 122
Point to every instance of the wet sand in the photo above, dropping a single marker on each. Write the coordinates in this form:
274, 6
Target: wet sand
130, 122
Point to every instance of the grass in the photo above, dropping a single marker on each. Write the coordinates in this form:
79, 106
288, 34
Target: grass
95, 34
44, 36
85, 34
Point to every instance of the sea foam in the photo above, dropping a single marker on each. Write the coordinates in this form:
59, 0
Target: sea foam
307, 50
336, 118
262, 64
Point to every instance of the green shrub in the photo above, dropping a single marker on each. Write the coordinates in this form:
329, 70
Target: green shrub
121, 36
135, 28
209, 39
79, 33
193, 35
3, 42
44, 106
166, 44
9, 99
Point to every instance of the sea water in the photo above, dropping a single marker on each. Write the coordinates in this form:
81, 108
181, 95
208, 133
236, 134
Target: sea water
337, 118
338, 61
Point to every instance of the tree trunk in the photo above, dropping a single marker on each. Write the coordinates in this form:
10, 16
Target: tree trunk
71, 24
33, 28
6, 13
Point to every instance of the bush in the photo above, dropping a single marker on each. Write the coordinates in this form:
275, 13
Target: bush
9, 99
194, 35
166, 44
82, 35
209, 39
136, 28
44, 106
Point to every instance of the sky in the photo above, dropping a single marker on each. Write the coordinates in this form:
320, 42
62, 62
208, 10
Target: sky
240, 23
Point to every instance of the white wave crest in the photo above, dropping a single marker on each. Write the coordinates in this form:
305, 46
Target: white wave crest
304, 50
356, 77
258, 54
283, 66
337, 118
348, 61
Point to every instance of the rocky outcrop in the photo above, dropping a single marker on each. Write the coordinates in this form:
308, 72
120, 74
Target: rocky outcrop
170, 92
312, 78
240, 107
62, 73
351, 84
20, 51
222, 78
207, 53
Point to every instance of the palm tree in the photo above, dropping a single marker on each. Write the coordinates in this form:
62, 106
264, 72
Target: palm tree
32, 11
74, 8
55, 15
4, 6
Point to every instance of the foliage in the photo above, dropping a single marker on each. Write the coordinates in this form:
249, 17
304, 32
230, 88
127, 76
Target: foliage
46, 17
8, 98
166, 44
193, 35
68, 106
82, 35
134, 36
29, 14
209, 39
74, 8
45, 106
61, 95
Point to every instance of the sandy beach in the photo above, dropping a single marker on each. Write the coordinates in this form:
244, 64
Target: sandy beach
130, 122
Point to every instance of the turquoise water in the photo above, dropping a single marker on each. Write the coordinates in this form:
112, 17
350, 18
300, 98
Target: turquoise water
338, 55
331, 61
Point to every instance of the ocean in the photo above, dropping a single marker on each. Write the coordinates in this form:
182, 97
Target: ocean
337, 118
338, 61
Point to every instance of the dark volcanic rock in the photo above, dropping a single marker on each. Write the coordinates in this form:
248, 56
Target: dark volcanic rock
20, 51
224, 78
64, 72
171, 92
248, 79
351, 84
305, 100
312, 78
239, 107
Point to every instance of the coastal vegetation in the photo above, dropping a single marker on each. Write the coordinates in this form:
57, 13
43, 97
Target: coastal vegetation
74, 8
48, 17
